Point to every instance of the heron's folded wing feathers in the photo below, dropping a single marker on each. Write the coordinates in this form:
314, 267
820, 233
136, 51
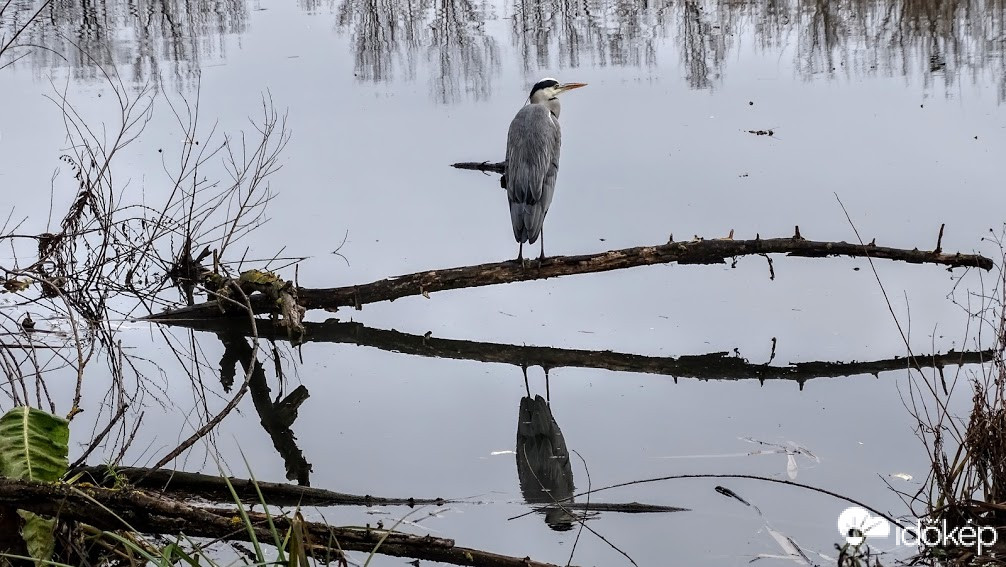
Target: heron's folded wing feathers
531, 147
532, 160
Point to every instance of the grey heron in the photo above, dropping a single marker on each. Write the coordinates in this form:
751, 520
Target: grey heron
532, 161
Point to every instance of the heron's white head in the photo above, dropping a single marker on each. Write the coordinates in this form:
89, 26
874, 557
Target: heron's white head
549, 88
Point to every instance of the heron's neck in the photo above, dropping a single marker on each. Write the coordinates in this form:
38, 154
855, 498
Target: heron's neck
541, 97
553, 106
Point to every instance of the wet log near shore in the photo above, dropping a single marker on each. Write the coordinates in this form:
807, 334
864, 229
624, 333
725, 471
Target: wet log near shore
180, 484
712, 366
150, 513
697, 251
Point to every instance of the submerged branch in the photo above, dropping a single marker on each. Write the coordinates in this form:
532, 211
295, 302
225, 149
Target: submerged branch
712, 366
217, 488
181, 484
692, 252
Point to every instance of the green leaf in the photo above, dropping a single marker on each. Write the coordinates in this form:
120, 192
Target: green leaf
38, 535
33, 445
173, 552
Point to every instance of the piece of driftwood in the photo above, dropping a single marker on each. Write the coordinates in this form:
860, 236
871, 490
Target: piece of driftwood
712, 366
691, 252
151, 513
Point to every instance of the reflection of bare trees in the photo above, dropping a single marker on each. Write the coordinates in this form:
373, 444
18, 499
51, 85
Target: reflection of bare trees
383, 32
464, 57
143, 36
386, 35
702, 45
620, 32
936, 39
942, 39
559, 34
939, 40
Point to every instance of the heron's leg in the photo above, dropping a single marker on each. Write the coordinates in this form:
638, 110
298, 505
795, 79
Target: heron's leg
527, 388
520, 254
542, 236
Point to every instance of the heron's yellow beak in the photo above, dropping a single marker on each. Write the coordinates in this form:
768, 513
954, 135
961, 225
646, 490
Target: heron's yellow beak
570, 86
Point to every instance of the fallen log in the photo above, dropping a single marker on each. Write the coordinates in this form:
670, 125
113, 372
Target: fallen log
150, 513
711, 366
692, 252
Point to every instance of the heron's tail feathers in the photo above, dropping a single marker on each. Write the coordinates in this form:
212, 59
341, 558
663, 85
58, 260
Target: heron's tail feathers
527, 220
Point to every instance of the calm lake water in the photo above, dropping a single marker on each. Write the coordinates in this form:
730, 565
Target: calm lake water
895, 108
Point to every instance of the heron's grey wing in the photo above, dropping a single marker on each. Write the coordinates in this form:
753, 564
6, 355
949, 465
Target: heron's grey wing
548, 185
532, 159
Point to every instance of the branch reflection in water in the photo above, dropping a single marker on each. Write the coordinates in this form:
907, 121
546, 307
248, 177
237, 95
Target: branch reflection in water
276, 417
712, 366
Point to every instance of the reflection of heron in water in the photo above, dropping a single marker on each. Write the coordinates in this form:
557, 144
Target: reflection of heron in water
543, 462
528, 388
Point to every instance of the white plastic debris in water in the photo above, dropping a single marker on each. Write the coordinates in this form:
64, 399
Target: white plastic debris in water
790, 449
800, 449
